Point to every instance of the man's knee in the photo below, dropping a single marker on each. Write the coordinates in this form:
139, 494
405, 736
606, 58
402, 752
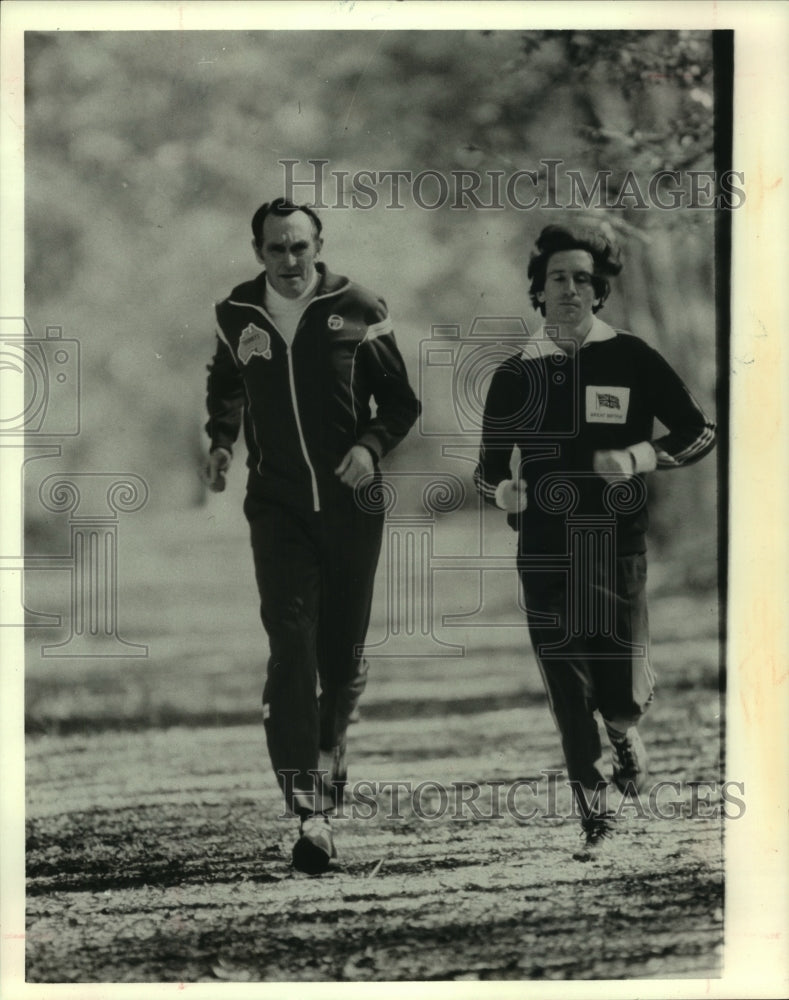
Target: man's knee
290, 614
288, 681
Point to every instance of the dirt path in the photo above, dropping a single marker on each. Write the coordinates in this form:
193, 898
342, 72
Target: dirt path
158, 856
156, 853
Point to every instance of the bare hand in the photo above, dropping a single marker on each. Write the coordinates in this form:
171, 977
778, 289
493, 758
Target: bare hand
512, 496
216, 467
355, 466
614, 465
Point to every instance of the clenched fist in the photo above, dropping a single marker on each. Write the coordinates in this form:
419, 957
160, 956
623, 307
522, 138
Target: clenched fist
216, 467
356, 464
511, 496
613, 465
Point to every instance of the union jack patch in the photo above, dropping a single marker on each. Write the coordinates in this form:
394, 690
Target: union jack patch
607, 404
254, 341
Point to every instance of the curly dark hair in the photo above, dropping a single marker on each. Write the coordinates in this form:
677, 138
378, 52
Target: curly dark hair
555, 238
282, 206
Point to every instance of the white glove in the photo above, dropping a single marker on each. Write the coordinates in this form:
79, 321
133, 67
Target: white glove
511, 495
614, 465
216, 467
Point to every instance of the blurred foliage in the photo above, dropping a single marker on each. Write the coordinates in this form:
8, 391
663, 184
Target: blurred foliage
637, 100
147, 153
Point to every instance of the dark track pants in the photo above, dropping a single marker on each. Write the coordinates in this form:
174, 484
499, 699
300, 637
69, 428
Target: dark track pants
315, 574
595, 656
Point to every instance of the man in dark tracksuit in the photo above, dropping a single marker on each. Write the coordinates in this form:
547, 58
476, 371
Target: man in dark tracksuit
300, 354
579, 403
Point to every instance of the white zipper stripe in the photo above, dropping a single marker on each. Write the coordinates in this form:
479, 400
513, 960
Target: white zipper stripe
379, 329
221, 334
316, 506
260, 309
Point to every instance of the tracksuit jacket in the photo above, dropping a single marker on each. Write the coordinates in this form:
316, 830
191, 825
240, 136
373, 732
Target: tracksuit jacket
303, 406
558, 410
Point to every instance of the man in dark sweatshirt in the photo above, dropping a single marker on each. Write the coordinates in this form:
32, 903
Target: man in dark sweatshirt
579, 404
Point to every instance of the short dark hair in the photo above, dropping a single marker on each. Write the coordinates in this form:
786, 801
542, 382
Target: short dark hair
554, 239
282, 206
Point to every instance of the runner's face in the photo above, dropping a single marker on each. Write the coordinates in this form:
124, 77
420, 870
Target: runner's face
289, 250
569, 293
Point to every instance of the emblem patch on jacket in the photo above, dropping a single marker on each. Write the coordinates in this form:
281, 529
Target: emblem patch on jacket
254, 341
335, 322
607, 404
